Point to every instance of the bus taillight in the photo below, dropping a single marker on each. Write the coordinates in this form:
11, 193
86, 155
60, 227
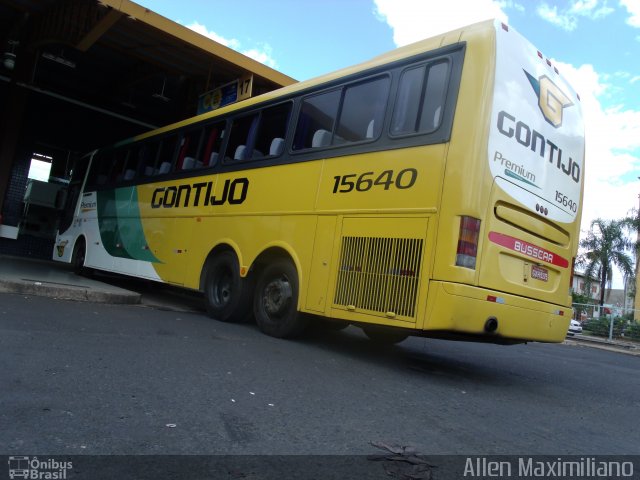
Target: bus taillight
468, 242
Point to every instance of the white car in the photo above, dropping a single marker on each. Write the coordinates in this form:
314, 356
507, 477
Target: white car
574, 327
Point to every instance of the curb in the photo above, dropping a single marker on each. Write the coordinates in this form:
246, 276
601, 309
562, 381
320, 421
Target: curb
603, 344
68, 292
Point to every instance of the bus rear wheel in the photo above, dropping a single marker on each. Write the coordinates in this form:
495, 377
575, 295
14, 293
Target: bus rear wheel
275, 304
227, 295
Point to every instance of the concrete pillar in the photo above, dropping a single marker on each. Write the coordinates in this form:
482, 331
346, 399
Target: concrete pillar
10, 129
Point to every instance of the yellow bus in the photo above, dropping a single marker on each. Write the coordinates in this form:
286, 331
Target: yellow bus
435, 190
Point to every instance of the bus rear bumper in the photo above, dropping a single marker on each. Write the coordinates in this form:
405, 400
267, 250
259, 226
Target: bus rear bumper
474, 313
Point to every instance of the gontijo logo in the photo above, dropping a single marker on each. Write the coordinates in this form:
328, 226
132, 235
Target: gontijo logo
551, 100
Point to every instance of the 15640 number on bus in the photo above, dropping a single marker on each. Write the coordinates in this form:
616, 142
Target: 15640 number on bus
565, 201
368, 180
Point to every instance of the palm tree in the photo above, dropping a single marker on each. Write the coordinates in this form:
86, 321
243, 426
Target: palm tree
606, 246
632, 222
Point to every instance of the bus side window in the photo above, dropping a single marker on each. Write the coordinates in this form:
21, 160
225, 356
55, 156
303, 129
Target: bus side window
362, 112
118, 162
274, 122
420, 99
242, 139
167, 155
315, 122
99, 171
434, 96
190, 145
149, 156
213, 136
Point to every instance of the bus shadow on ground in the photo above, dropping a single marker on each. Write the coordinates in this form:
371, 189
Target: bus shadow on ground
447, 362
444, 361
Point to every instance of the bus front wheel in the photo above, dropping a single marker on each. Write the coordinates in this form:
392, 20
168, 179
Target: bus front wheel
227, 295
275, 302
78, 258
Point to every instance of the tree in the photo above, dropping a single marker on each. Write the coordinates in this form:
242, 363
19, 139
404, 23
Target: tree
580, 302
605, 247
632, 222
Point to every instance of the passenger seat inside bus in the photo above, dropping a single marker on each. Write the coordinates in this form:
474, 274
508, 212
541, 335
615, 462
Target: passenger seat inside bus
277, 146
165, 167
321, 138
190, 163
241, 152
369, 133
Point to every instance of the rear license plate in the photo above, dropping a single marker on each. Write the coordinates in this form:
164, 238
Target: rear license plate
539, 273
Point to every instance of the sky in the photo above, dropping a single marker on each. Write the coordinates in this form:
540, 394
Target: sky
594, 43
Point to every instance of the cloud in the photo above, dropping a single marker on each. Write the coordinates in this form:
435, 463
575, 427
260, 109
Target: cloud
551, 15
567, 18
612, 134
413, 20
262, 53
612, 148
633, 7
590, 8
202, 30
511, 4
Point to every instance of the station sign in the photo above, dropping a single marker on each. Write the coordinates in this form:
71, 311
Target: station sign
232, 92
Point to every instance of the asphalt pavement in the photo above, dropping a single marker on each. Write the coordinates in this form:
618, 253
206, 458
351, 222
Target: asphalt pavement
57, 280
153, 388
82, 378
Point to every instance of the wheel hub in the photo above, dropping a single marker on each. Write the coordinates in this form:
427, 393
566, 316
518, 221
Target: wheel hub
277, 295
222, 290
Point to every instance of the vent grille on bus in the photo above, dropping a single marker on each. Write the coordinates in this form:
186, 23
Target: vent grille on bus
379, 275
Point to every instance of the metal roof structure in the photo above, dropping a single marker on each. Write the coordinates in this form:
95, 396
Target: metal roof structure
122, 57
81, 74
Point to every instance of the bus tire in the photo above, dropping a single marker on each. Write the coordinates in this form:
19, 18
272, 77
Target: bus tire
275, 303
384, 336
227, 295
78, 257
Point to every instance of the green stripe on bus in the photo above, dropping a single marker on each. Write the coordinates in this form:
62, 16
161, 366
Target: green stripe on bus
108, 224
120, 227
130, 225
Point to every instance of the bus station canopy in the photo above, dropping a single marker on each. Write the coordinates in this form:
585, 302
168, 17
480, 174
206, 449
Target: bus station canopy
121, 57
81, 74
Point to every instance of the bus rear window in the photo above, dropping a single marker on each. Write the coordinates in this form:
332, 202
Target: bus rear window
420, 100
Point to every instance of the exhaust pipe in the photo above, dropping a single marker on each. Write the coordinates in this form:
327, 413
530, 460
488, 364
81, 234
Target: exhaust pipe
491, 325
